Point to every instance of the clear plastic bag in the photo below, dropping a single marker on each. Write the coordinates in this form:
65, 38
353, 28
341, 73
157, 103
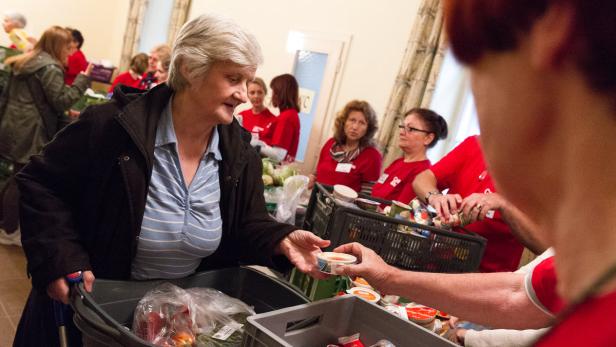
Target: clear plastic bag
292, 190
170, 316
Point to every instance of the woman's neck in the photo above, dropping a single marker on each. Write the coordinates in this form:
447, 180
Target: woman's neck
190, 125
257, 110
583, 220
411, 157
351, 145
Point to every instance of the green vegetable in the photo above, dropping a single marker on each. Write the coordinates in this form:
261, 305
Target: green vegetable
267, 180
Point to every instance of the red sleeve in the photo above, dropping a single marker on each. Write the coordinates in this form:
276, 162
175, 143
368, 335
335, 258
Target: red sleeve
282, 137
541, 287
119, 79
448, 167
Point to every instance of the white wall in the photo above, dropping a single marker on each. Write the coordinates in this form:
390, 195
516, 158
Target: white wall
379, 29
102, 23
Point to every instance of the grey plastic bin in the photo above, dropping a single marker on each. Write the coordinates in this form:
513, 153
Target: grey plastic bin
323, 322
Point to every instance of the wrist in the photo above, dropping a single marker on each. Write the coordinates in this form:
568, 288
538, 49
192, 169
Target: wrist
430, 194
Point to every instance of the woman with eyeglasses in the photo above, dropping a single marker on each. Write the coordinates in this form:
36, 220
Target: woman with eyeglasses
350, 156
420, 129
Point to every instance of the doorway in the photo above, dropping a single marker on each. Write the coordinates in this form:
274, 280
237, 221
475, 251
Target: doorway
317, 64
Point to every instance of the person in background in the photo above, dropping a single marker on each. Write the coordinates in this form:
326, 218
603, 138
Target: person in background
158, 53
159, 184
77, 61
350, 156
32, 111
132, 77
420, 130
281, 139
162, 70
258, 117
473, 195
14, 24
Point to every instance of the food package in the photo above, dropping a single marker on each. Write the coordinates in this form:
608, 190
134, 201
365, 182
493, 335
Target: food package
170, 316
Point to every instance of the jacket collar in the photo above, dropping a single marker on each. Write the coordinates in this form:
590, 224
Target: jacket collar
139, 115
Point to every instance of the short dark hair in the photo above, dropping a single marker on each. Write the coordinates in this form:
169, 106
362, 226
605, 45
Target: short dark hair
77, 37
368, 112
139, 63
479, 26
286, 91
433, 121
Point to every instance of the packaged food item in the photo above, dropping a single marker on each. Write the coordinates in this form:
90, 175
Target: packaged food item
397, 208
350, 341
344, 193
328, 262
366, 204
366, 294
361, 282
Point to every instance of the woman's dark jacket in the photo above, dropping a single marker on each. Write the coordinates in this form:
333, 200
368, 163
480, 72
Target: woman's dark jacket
84, 197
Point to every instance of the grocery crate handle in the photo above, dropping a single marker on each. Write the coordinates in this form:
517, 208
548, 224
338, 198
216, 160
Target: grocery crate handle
88, 312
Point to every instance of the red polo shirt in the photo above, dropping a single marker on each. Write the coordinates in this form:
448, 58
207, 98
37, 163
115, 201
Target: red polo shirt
540, 285
463, 171
589, 324
365, 168
284, 133
256, 123
396, 183
76, 63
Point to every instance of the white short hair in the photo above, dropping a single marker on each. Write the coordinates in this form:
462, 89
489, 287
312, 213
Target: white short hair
17, 18
206, 40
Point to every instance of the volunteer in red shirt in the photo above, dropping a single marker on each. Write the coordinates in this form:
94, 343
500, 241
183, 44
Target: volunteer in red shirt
132, 77
280, 140
350, 157
258, 117
420, 129
544, 84
471, 192
77, 60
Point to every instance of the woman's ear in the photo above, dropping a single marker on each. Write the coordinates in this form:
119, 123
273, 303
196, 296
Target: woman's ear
551, 36
429, 138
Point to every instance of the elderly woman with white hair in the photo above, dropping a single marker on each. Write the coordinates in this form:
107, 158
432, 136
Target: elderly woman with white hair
155, 185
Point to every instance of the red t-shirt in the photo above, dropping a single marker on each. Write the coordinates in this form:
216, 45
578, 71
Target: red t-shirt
589, 325
283, 132
366, 167
125, 79
256, 123
396, 183
541, 287
463, 171
76, 63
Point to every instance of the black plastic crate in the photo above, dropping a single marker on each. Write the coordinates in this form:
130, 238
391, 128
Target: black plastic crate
438, 250
105, 315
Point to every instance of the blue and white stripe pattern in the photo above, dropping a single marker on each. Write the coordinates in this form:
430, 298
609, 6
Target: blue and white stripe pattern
181, 225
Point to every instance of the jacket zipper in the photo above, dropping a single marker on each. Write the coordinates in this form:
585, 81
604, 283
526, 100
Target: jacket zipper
122, 160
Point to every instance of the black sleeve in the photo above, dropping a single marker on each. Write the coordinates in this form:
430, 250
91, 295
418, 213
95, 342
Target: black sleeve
50, 187
259, 233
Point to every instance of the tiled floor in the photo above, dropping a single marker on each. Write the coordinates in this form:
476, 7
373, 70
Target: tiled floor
14, 289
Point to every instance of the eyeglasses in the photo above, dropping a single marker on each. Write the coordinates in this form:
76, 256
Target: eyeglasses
411, 129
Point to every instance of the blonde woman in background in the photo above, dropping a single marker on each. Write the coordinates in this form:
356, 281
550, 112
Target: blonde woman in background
32, 111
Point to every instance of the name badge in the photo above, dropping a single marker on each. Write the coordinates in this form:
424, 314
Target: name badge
344, 167
382, 179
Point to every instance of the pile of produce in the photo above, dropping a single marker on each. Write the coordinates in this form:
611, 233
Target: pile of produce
274, 176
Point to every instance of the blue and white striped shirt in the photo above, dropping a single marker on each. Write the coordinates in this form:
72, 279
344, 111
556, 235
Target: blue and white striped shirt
181, 225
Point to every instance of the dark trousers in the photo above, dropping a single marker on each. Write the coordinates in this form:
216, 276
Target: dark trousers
9, 202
